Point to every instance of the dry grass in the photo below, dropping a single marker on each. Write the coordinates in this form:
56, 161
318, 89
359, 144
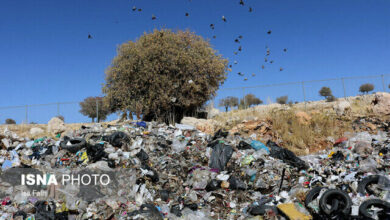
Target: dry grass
304, 138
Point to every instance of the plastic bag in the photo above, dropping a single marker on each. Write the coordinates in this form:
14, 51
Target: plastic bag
257, 145
286, 155
220, 156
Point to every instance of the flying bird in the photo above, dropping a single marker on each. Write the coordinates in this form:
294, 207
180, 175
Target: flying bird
271, 61
223, 18
134, 8
265, 59
242, 2
187, 14
250, 9
89, 36
253, 74
240, 74
281, 69
235, 53
240, 48
240, 36
235, 62
262, 66
230, 65
212, 26
140, 9
245, 79
285, 49
269, 32
237, 41
154, 17
214, 36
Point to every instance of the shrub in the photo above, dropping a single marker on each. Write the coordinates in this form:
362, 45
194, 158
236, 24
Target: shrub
250, 100
325, 92
366, 88
229, 101
10, 121
282, 99
331, 98
164, 75
88, 108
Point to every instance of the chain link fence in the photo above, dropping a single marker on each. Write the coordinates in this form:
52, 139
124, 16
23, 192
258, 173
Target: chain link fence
300, 91
305, 91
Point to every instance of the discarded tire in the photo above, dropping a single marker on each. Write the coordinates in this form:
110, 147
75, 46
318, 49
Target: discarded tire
365, 206
312, 195
76, 144
373, 179
327, 199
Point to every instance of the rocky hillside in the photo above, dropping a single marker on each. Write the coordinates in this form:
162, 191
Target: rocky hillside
304, 128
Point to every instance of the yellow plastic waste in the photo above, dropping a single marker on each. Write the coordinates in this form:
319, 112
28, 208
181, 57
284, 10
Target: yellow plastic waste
84, 157
292, 212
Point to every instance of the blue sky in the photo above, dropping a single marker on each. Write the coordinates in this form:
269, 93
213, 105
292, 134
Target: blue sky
46, 56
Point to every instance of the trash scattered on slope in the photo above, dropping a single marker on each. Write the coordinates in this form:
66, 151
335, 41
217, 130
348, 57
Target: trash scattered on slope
177, 172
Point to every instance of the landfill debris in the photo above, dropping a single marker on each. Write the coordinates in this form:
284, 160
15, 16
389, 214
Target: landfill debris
290, 210
180, 172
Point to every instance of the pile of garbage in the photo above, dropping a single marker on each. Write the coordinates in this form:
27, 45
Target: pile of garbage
157, 171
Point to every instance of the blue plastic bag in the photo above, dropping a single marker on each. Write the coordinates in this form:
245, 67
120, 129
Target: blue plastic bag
141, 124
257, 145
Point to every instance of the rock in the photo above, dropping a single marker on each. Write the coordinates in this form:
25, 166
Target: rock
341, 107
208, 126
381, 103
36, 131
56, 126
191, 121
303, 117
213, 112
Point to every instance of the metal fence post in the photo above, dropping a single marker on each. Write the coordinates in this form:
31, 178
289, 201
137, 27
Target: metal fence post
26, 114
383, 83
304, 93
345, 93
243, 89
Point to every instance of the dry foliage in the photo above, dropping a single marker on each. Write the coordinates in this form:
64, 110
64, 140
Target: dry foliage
164, 75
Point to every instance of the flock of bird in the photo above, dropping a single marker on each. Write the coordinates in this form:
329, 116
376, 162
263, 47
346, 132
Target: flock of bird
236, 40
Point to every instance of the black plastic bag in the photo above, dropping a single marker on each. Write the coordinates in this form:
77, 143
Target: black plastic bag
286, 155
45, 210
117, 139
220, 134
175, 209
96, 152
338, 156
244, 146
235, 183
220, 156
142, 155
213, 185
